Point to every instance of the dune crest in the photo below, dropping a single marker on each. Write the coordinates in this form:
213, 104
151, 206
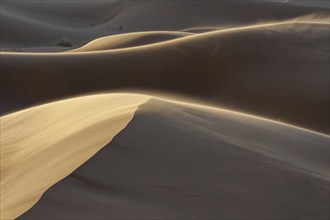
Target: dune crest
205, 35
50, 20
216, 64
191, 109
154, 39
179, 160
42, 145
121, 41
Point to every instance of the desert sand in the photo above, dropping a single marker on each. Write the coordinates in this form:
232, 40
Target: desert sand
42, 145
116, 122
253, 69
173, 160
121, 41
243, 62
42, 23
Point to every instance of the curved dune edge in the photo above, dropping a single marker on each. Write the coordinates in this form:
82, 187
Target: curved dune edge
44, 144
193, 36
128, 40
215, 65
175, 161
206, 107
169, 42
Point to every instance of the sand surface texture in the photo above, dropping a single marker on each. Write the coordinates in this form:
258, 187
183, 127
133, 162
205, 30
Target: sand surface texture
41, 145
105, 109
269, 70
178, 161
42, 23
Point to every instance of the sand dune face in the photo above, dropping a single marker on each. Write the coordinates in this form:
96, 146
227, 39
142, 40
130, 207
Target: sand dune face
261, 153
252, 69
180, 161
41, 145
130, 40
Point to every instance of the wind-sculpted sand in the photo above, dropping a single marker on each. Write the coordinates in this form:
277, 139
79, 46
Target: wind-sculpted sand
164, 109
43, 23
41, 145
130, 40
174, 160
253, 69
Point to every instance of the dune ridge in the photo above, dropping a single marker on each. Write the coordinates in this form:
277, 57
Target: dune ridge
217, 63
108, 44
195, 36
164, 109
280, 149
191, 36
41, 145
129, 40
51, 20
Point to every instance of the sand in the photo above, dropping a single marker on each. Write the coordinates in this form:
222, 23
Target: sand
121, 41
233, 68
183, 161
137, 150
42, 145
43, 23
160, 42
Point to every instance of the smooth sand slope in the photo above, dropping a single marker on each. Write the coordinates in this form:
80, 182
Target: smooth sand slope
121, 41
183, 161
42, 23
41, 145
280, 71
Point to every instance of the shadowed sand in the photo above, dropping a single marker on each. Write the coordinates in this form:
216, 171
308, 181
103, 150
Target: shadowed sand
254, 69
171, 159
43, 23
41, 145
183, 161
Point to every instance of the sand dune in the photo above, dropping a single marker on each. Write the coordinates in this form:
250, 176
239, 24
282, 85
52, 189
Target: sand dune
251, 69
121, 41
65, 14
174, 160
141, 140
42, 145
43, 23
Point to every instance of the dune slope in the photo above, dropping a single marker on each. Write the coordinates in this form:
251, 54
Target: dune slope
180, 161
129, 40
41, 145
43, 23
252, 69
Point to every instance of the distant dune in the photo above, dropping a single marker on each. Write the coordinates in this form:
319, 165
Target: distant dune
174, 160
43, 23
252, 69
121, 41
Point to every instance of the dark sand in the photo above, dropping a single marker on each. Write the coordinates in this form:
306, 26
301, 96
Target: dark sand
176, 162
279, 72
43, 23
172, 161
